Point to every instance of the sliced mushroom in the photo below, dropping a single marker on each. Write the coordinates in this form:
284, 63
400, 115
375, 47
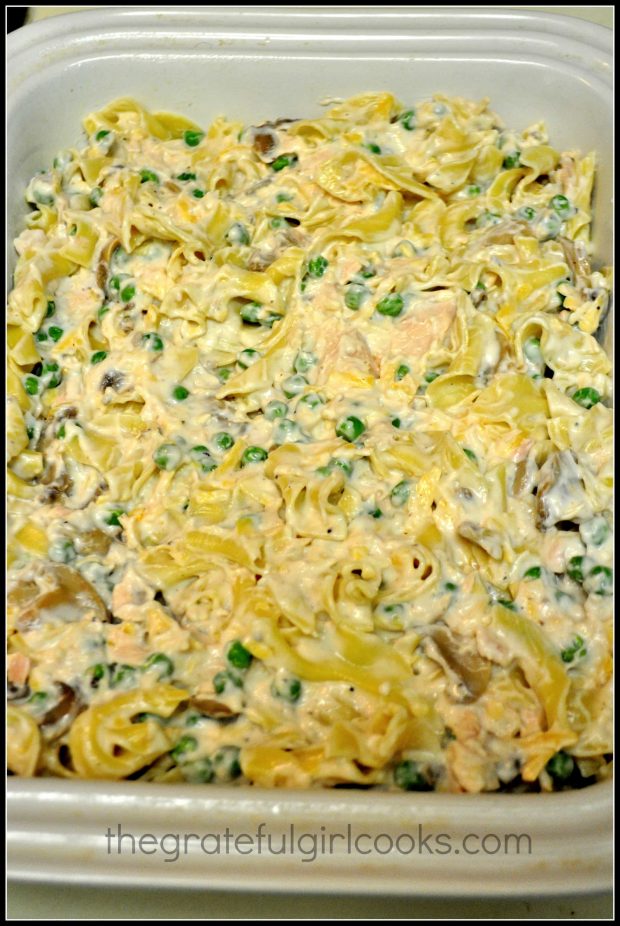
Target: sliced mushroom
59, 486
213, 708
113, 379
576, 258
59, 717
55, 592
488, 540
260, 260
457, 654
17, 693
561, 493
94, 541
504, 233
265, 141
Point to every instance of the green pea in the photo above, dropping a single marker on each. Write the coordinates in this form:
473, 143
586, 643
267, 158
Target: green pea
289, 689
376, 513
286, 431
575, 568
97, 673
275, 410
431, 376
350, 428
396, 422
186, 175
247, 357
586, 397
284, 197
600, 580
561, 766
312, 400
284, 160
336, 463
198, 194
473, 189
401, 372
317, 266
527, 212
409, 776
180, 393
600, 531
121, 675
534, 572
147, 176
407, 120
238, 656
551, 226
512, 160
293, 385
128, 292
531, 350
238, 234
55, 332
372, 147
221, 680
201, 455
38, 699
354, 295
278, 222
223, 440
193, 137
253, 455
41, 336
561, 205
162, 663
113, 518
152, 341
224, 373
186, 744
304, 361
226, 763
488, 218
198, 772
250, 313
400, 493
50, 309
450, 586
391, 305
51, 374
576, 648
167, 456
367, 272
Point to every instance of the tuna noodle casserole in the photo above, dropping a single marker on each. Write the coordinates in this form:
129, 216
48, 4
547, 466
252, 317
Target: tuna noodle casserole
310, 455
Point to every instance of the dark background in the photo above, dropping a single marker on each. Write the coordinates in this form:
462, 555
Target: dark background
15, 17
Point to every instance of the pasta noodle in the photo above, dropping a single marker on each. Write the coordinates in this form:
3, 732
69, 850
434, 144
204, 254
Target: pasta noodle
309, 455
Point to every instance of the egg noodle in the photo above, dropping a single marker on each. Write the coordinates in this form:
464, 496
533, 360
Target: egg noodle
309, 448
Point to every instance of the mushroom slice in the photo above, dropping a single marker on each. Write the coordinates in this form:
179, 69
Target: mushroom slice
55, 592
561, 493
265, 141
217, 710
59, 717
488, 540
456, 653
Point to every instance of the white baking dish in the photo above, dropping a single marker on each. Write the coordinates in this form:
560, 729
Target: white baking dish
251, 64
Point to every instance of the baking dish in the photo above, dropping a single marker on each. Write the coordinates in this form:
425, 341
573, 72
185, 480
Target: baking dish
252, 64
